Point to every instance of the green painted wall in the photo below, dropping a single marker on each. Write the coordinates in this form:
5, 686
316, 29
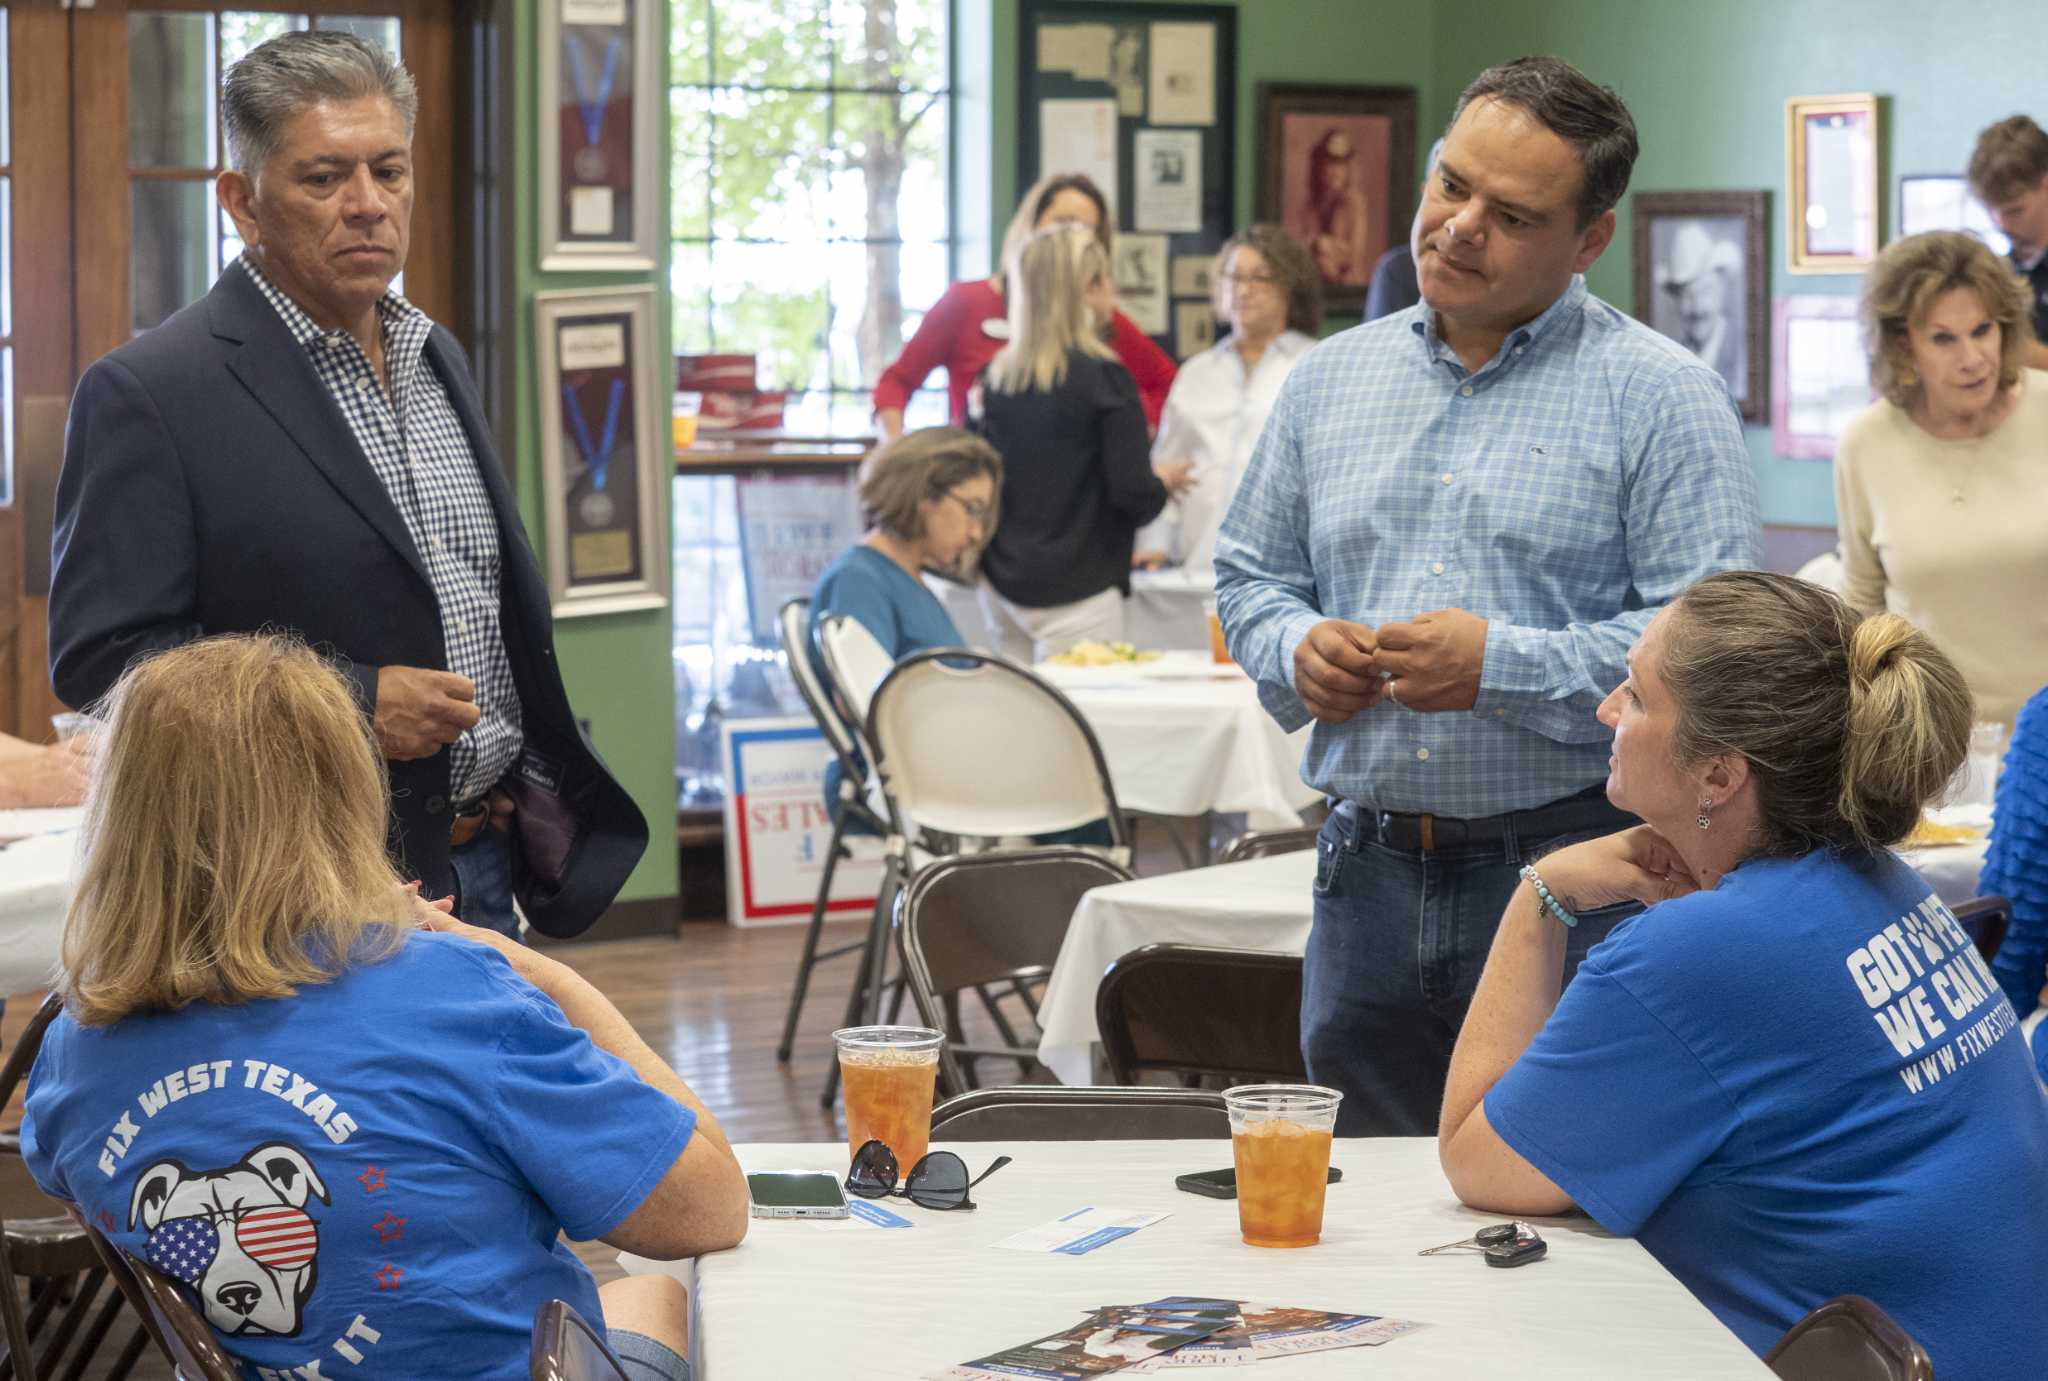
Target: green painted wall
617, 666
1367, 42
1708, 85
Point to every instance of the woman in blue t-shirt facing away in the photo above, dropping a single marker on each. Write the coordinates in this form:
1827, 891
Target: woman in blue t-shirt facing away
1791, 1077
355, 1128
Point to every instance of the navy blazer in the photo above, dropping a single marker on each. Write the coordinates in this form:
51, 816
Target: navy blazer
211, 485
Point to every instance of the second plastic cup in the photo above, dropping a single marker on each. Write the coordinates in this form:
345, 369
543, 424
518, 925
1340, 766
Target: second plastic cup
1219, 650
889, 1073
1280, 1139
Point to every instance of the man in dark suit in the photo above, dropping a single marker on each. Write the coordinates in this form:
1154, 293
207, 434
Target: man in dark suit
304, 449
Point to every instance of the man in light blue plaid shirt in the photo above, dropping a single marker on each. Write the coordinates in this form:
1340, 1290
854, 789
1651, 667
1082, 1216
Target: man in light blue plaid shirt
1458, 519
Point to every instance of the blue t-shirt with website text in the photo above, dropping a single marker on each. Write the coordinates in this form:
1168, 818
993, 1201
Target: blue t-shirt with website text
370, 1178
1802, 1084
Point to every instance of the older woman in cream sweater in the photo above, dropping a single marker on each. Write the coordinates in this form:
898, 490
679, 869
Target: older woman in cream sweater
1941, 486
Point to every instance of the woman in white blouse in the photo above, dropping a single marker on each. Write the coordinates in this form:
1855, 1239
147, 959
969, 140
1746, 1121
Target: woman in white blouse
1268, 292
1941, 486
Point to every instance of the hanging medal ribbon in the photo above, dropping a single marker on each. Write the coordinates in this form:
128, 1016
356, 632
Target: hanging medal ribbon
590, 164
597, 505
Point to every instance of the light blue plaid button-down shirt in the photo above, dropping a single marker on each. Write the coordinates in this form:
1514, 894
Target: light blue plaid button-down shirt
1584, 476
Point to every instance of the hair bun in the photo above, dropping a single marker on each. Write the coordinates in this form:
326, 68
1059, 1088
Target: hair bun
1908, 724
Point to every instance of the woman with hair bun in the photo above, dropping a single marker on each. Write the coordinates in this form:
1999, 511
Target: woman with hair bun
1791, 1076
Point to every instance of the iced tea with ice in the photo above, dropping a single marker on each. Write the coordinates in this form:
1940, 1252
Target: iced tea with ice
889, 1073
1280, 1140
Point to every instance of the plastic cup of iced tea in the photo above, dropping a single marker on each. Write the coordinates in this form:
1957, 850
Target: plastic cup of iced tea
1280, 1139
1219, 650
889, 1073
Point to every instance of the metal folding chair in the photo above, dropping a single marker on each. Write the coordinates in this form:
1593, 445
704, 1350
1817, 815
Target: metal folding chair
1050, 1112
1265, 843
1228, 1016
566, 1348
849, 806
982, 921
1849, 1339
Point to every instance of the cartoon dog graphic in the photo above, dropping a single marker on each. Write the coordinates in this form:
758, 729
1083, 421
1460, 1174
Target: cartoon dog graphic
239, 1235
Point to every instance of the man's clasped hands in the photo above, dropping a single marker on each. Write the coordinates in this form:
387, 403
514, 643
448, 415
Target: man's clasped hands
1428, 663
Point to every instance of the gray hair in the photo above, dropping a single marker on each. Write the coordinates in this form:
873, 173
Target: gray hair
282, 77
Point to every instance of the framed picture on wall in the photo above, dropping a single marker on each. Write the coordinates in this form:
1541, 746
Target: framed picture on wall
1943, 201
605, 452
1700, 279
1141, 97
1822, 375
1337, 168
601, 93
1833, 203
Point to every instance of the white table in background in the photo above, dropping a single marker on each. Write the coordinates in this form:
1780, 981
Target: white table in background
37, 873
1164, 613
825, 1300
1267, 904
1184, 736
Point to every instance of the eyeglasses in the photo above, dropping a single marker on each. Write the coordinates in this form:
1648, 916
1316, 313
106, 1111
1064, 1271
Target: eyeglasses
938, 1180
975, 509
1247, 279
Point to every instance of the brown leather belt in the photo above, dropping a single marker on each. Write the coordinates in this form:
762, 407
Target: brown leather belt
468, 823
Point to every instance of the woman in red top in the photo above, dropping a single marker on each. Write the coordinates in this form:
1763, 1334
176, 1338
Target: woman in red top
966, 327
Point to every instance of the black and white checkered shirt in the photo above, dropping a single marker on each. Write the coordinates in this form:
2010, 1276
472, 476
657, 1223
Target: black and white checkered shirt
415, 442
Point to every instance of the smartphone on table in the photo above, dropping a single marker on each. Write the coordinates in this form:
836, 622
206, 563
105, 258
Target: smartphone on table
796, 1194
1222, 1184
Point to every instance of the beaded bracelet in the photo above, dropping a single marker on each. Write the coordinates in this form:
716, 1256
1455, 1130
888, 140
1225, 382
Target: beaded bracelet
1550, 903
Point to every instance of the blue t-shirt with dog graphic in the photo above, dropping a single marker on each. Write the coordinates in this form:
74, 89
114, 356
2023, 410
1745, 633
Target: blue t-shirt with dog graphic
368, 1179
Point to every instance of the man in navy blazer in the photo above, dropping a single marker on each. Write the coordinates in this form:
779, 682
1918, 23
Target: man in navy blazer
303, 449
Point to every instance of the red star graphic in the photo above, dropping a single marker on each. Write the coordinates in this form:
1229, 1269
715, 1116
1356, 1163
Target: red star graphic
390, 1227
389, 1276
372, 1180
106, 1221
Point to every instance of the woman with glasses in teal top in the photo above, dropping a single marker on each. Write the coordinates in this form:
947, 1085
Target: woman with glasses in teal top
931, 497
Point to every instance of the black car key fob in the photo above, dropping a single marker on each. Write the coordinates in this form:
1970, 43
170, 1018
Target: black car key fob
1518, 1253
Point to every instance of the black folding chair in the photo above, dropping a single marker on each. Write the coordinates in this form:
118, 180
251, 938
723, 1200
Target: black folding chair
1849, 1339
1225, 1016
1052, 1112
566, 1348
983, 921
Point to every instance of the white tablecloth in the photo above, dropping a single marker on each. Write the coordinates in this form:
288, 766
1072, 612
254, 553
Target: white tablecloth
1266, 904
1184, 736
36, 877
825, 1300
1165, 611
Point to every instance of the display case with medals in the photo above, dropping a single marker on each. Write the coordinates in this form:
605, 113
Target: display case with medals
599, 99
605, 454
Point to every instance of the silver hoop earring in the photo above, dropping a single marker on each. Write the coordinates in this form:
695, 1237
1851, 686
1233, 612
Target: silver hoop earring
1705, 820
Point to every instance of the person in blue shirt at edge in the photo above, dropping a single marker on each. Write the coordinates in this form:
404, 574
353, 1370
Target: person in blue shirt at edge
1456, 521
931, 496
354, 1127
2016, 868
1792, 1077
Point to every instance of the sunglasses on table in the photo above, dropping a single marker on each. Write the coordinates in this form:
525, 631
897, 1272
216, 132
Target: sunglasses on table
938, 1180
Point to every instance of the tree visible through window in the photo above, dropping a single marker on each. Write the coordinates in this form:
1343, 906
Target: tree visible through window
811, 211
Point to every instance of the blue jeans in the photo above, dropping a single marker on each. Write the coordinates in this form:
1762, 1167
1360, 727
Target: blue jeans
1399, 941
483, 881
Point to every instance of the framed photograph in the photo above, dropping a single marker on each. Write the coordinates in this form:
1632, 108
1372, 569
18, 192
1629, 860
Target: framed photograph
1700, 279
1337, 168
605, 452
601, 94
1140, 96
1943, 201
1833, 205
1822, 375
